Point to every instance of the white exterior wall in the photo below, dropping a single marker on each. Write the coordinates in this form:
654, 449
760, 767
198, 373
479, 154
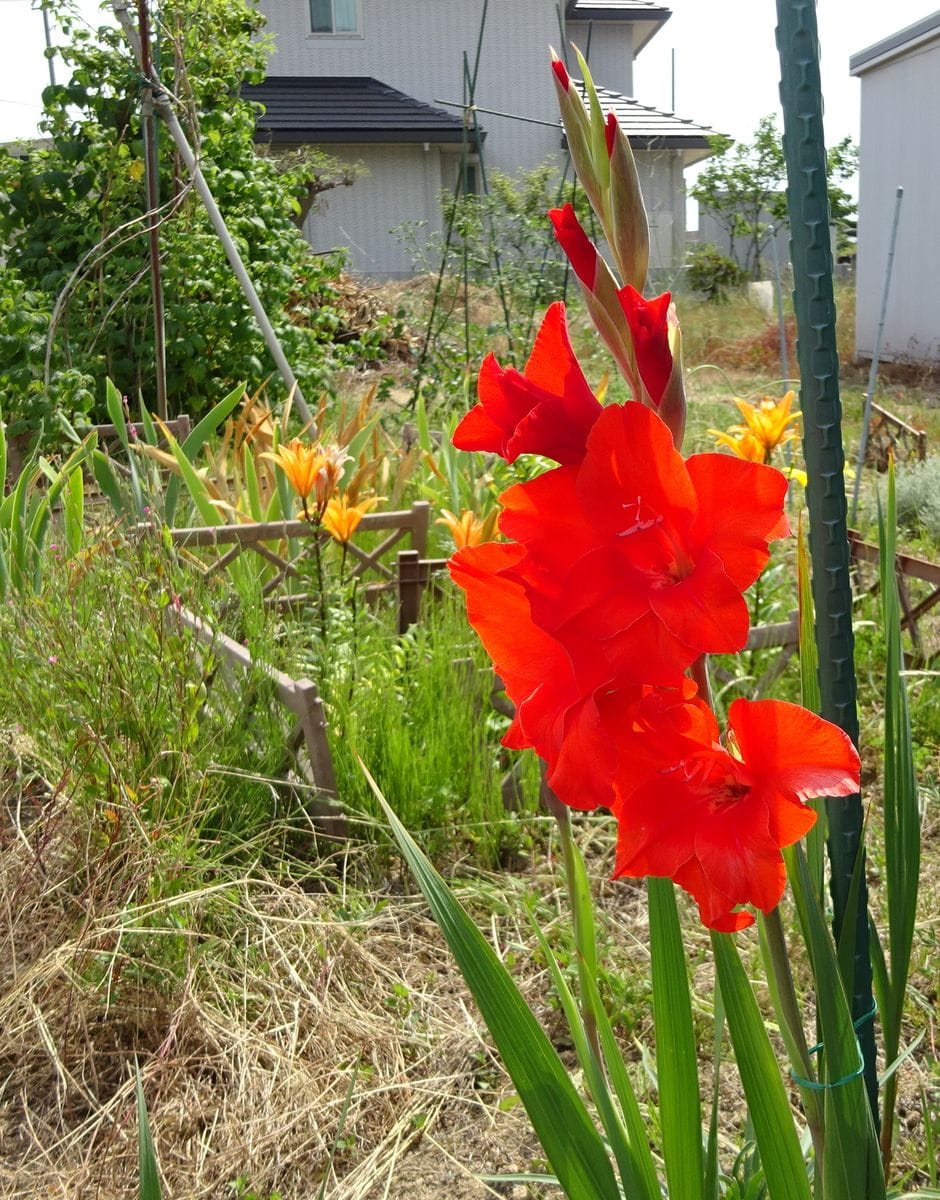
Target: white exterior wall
900, 146
610, 55
397, 184
663, 188
417, 47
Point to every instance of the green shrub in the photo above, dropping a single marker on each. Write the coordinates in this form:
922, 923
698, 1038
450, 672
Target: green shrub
712, 273
918, 498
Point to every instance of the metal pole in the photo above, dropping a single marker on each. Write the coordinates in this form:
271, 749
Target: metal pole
873, 370
781, 318
814, 303
49, 57
152, 169
165, 109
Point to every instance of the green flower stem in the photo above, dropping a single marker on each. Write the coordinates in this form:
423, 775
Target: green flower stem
582, 919
780, 979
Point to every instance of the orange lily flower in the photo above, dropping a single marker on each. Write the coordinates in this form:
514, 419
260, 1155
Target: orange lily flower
467, 530
742, 443
341, 519
764, 430
310, 468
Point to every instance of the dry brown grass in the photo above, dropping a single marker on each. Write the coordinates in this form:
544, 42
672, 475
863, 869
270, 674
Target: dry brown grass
286, 1037
292, 1037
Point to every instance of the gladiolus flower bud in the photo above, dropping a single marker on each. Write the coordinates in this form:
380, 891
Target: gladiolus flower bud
629, 234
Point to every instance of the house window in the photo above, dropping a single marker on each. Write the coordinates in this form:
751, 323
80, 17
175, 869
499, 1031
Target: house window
334, 16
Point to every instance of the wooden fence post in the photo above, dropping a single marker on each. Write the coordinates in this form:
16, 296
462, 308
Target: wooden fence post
409, 589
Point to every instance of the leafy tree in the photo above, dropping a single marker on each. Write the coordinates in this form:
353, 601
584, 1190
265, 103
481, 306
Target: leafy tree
71, 216
744, 188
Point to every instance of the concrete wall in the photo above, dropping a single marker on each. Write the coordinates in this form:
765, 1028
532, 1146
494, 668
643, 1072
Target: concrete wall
900, 146
609, 50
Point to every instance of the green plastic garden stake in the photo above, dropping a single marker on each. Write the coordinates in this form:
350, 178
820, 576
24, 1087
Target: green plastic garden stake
814, 304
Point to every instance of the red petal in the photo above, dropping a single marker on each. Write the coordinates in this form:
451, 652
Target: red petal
576, 244
649, 329
705, 609
740, 512
498, 609
561, 73
791, 749
633, 476
739, 856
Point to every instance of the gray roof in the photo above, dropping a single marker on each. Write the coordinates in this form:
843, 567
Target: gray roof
897, 43
346, 109
646, 16
649, 129
629, 10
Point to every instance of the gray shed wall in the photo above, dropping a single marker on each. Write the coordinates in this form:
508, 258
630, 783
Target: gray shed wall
900, 145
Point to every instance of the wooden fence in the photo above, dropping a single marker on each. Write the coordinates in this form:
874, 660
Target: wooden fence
285, 544
907, 567
301, 698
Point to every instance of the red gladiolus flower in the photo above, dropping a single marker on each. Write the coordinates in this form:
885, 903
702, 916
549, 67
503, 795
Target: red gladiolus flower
716, 819
634, 538
649, 329
548, 409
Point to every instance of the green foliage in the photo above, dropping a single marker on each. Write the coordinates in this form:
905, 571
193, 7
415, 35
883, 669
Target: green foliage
418, 709
743, 187
26, 402
501, 248
146, 726
71, 216
918, 498
712, 273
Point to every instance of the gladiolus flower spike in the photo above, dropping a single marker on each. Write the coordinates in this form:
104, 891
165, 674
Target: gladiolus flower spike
624, 566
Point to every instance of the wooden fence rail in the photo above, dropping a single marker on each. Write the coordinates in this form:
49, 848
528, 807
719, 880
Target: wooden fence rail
907, 566
300, 697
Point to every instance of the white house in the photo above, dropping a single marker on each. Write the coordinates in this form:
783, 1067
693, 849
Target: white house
385, 84
900, 147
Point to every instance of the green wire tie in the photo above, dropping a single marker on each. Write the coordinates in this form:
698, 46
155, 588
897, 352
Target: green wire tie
815, 1086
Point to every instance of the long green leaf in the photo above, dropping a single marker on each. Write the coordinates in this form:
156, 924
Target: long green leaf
901, 811
196, 485
3, 457
115, 406
777, 1140
195, 441
569, 1138
680, 1111
73, 510
646, 1183
146, 1154
851, 1165
630, 1171
108, 483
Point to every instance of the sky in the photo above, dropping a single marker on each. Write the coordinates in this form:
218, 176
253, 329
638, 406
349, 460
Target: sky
726, 67
727, 72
